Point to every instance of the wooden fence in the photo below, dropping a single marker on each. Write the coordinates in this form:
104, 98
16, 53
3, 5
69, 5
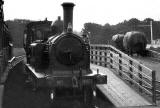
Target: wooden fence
132, 71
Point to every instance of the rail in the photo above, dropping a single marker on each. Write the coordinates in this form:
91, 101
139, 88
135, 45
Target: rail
154, 54
11, 63
133, 72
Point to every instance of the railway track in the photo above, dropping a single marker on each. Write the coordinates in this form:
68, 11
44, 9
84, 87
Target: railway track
155, 55
147, 59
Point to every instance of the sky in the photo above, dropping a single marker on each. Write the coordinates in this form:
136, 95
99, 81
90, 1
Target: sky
97, 11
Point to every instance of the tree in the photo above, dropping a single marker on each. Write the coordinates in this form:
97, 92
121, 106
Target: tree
133, 22
102, 34
147, 20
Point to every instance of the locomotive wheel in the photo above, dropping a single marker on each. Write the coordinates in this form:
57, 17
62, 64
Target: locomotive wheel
31, 83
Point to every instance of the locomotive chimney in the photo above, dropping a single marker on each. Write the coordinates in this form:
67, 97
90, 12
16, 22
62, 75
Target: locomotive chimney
67, 16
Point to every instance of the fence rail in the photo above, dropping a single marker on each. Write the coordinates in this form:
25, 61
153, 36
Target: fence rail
11, 63
132, 71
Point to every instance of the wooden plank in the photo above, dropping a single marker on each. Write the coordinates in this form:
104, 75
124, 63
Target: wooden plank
119, 92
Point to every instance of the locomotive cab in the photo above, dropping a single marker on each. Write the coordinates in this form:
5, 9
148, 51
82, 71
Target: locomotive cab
39, 56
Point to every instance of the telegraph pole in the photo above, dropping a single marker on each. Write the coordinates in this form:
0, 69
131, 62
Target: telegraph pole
151, 32
151, 29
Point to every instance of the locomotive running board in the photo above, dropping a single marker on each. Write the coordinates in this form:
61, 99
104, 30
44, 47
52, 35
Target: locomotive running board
34, 73
46, 80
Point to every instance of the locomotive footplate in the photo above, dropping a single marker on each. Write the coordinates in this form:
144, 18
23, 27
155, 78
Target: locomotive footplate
66, 81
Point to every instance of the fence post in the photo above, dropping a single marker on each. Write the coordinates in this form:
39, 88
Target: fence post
105, 58
120, 64
111, 60
140, 76
96, 57
98, 51
91, 55
100, 58
131, 71
154, 87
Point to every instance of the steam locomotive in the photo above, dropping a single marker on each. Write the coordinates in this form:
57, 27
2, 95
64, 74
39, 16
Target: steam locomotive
62, 62
135, 42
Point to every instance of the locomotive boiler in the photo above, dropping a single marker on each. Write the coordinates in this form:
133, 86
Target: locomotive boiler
133, 42
63, 62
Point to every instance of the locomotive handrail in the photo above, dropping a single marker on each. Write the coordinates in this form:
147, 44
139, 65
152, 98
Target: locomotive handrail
129, 69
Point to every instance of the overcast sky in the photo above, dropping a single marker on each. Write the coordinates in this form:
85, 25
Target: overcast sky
97, 11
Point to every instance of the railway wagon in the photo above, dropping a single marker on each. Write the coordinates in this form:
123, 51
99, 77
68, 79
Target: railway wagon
118, 41
135, 42
62, 62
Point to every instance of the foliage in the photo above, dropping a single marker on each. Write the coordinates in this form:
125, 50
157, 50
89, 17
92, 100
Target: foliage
57, 26
99, 34
102, 34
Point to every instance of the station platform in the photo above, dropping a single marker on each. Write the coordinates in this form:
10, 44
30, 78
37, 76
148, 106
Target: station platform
118, 92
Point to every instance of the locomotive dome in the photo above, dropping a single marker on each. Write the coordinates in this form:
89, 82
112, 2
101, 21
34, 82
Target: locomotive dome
58, 23
57, 26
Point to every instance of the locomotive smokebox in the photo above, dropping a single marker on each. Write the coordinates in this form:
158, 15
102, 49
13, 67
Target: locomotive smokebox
67, 16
